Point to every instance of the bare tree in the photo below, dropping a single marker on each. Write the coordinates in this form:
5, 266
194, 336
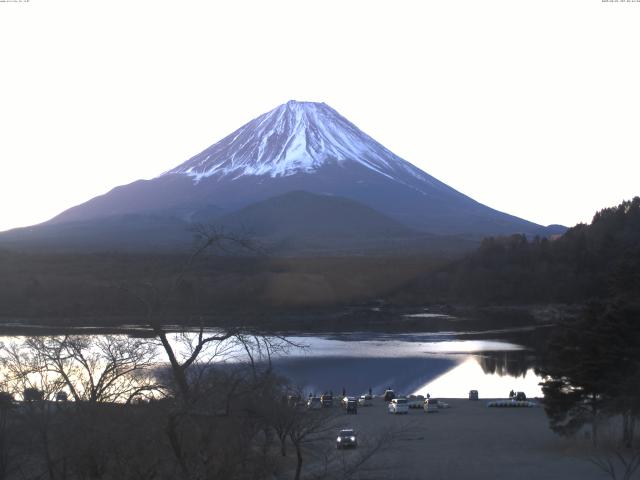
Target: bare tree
25, 375
155, 298
97, 368
617, 459
308, 427
24, 369
607, 460
197, 420
93, 369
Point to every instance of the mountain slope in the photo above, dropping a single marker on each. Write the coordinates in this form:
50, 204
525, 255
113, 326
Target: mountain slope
128, 232
302, 222
297, 147
296, 223
303, 214
305, 146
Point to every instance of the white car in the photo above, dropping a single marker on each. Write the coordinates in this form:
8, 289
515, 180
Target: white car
398, 405
345, 401
365, 400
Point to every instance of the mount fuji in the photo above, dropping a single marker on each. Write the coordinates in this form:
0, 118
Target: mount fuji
300, 171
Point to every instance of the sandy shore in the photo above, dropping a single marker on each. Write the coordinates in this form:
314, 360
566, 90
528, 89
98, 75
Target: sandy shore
468, 441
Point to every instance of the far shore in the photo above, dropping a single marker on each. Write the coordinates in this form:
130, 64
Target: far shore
363, 318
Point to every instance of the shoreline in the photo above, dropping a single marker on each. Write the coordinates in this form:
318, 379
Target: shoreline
366, 318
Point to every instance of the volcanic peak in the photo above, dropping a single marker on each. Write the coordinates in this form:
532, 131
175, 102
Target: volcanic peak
295, 137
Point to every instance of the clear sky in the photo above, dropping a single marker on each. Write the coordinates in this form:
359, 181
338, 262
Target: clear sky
531, 107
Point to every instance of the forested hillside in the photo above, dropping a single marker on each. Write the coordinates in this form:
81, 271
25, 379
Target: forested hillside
103, 288
596, 261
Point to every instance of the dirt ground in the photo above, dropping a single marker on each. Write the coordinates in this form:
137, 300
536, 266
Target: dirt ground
468, 441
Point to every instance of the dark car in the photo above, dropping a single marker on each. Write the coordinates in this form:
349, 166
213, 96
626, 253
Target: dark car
327, 400
314, 403
389, 395
352, 406
347, 439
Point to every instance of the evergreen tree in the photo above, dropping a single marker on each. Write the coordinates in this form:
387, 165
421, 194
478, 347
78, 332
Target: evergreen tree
591, 369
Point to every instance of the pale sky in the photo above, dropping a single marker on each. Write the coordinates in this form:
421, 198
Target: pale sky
530, 107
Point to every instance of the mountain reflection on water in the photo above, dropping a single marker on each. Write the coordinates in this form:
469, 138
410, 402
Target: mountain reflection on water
415, 363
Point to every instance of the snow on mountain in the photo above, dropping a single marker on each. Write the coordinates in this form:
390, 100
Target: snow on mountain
296, 137
300, 147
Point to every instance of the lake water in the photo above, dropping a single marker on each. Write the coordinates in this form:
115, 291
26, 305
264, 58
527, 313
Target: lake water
441, 364
438, 364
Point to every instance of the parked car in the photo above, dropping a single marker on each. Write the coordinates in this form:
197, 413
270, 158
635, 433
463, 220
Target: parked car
389, 395
365, 400
352, 406
430, 405
345, 400
32, 395
473, 394
294, 400
440, 403
398, 405
314, 403
347, 439
520, 397
62, 396
415, 401
327, 400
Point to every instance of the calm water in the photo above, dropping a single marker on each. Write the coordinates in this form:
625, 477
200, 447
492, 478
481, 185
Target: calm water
438, 364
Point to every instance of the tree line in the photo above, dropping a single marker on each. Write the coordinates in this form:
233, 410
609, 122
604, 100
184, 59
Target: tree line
600, 260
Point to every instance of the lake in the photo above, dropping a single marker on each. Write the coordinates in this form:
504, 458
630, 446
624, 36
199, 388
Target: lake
443, 364
439, 364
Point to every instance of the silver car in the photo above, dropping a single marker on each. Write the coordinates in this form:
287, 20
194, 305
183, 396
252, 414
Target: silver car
398, 405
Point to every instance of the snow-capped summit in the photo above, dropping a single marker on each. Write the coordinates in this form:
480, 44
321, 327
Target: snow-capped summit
296, 137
